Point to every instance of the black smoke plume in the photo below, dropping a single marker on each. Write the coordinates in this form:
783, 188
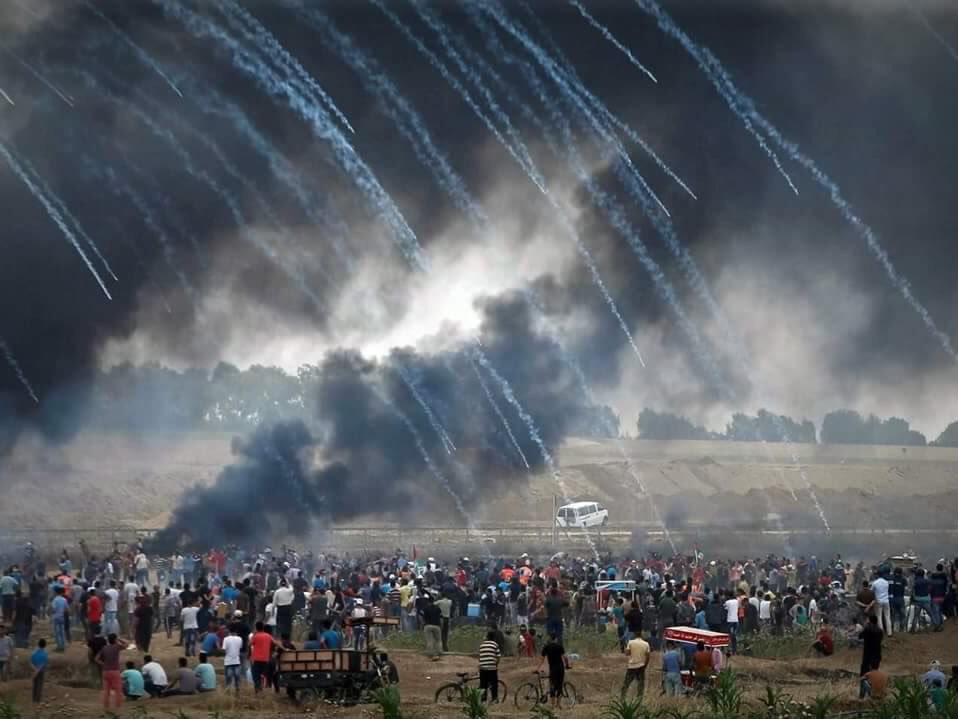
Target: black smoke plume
360, 456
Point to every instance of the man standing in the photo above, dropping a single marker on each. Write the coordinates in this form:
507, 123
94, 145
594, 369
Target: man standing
110, 608
432, 628
109, 661
554, 605
732, 605
283, 603
445, 607
232, 665
59, 607
261, 649
637, 650
882, 603
489, 655
38, 662
896, 597
672, 670
190, 628
865, 600
94, 611
871, 637
554, 653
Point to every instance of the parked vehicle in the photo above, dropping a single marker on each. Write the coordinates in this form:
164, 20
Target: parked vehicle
582, 514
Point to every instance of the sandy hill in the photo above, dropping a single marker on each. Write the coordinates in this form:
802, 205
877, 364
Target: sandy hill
108, 480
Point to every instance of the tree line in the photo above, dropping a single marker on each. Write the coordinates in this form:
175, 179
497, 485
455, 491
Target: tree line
842, 426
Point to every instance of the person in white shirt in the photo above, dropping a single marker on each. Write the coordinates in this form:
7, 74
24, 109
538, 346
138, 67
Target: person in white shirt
190, 627
232, 662
110, 608
154, 677
882, 604
130, 592
731, 619
271, 618
142, 564
283, 599
359, 630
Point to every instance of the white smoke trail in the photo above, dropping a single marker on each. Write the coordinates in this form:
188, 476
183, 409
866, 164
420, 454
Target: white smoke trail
949, 48
65, 211
6, 97
53, 213
39, 76
400, 111
316, 117
15, 366
607, 34
298, 74
532, 172
140, 52
498, 411
413, 387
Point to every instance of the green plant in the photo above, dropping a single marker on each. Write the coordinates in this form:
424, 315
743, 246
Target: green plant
725, 698
473, 707
910, 700
8, 710
618, 708
821, 708
389, 702
543, 711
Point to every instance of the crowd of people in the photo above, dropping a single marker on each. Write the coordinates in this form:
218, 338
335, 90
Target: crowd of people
247, 606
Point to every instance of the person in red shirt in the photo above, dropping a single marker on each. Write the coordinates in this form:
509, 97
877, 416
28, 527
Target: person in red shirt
261, 650
94, 610
824, 644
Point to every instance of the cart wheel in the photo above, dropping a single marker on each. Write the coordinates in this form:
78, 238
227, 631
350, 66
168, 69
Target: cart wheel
449, 694
527, 696
569, 695
307, 698
392, 673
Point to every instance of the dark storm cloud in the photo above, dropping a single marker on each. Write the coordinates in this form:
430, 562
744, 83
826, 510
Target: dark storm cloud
870, 96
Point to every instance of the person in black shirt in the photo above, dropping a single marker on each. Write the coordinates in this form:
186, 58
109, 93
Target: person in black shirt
871, 637
554, 605
896, 597
554, 653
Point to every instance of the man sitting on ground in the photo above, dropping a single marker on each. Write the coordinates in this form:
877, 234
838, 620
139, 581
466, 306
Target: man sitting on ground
154, 677
184, 683
133, 685
205, 675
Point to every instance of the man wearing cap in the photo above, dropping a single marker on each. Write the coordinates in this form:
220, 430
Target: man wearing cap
432, 628
359, 629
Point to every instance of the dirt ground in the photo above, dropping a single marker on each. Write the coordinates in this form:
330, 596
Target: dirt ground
596, 678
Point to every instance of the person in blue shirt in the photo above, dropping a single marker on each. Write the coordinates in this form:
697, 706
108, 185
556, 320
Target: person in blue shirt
134, 686
312, 643
329, 638
59, 606
672, 670
211, 643
38, 661
205, 675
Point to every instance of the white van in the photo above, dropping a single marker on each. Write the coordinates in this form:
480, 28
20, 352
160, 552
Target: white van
582, 514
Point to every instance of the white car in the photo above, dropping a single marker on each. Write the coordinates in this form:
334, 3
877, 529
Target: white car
582, 514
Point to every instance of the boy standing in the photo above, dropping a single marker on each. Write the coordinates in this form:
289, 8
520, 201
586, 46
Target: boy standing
39, 660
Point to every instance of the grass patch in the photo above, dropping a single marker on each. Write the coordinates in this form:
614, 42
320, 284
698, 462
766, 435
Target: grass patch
466, 640
767, 646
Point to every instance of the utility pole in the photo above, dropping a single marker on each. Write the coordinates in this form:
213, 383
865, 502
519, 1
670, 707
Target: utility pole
555, 521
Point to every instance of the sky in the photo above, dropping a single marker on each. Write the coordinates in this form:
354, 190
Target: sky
240, 231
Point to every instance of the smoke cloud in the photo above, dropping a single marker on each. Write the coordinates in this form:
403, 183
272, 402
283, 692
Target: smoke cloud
213, 264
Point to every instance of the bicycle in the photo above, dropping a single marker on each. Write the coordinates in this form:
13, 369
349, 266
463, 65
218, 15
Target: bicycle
530, 695
454, 692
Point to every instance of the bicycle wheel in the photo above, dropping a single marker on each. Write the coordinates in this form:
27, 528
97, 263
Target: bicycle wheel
569, 695
527, 696
449, 694
502, 692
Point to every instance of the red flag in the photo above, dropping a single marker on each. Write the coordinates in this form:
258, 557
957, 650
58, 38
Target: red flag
414, 553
